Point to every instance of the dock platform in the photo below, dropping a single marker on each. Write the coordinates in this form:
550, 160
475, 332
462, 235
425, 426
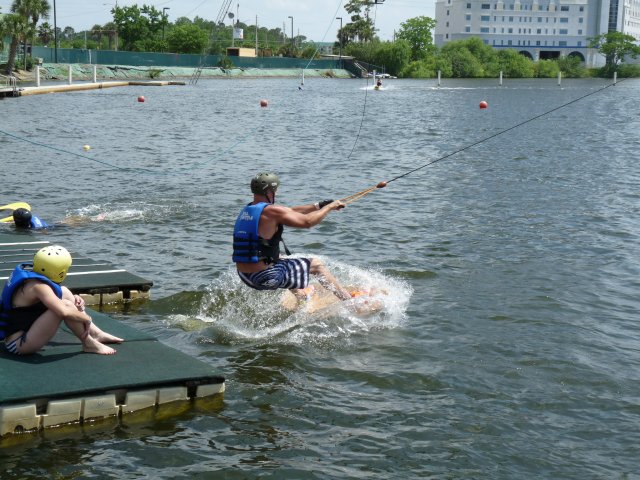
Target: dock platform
98, 282
79, 86
62, 385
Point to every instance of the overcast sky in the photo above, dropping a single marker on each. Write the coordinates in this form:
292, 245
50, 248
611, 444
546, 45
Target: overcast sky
313, 18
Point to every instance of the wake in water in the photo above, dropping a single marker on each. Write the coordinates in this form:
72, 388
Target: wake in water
237, 312
123, 213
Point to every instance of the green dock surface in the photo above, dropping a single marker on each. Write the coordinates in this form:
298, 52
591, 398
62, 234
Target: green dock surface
86, 276
60, 384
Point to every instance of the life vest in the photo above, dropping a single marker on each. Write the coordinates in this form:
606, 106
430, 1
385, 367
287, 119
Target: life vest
37, 222
248, 245
17, 278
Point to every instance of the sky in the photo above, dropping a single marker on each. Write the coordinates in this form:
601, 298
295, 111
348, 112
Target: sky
314, 19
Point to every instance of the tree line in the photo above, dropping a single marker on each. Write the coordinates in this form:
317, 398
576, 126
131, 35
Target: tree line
412, 52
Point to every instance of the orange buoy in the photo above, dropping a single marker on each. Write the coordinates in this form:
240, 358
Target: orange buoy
140, 99
483, 104
381, 185
263, 103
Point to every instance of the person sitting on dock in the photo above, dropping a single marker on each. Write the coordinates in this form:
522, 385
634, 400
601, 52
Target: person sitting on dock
258, 233
33, 305
23, 218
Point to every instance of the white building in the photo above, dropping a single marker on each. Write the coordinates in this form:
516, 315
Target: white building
538, 29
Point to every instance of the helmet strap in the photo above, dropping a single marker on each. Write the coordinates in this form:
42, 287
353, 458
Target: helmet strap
272, 200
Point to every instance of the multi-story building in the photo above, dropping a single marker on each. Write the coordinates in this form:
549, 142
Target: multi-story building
538, 29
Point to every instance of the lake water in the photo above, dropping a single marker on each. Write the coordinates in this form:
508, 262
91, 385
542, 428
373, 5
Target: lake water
508, 345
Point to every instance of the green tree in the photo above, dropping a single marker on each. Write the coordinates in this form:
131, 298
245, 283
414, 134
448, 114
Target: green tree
393, 56
546, 69
16, 27
187, 38
417, 32
615, 46
21, 25
514, 65
571, 66
462, 62
45, 33
139, 27
361, 26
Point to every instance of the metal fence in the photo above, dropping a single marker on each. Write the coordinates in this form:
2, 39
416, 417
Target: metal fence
112, 57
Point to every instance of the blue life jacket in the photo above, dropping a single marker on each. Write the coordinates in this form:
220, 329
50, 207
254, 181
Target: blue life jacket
37, 222
248, 245
17, 278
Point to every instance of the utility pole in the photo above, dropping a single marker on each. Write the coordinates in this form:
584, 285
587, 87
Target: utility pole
292, 39
340, 38
55, 34
164, 19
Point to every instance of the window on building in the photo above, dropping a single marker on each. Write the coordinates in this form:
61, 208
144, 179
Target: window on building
579, 43
509, 42
564, 19
564, 8
447, 13
511, 19
539, 19
468, 6
537, 43
539, 31
447, 24
485, 18
579, 31
467, 29
582, 9
467, 17
562, 43
486, 6
446, 35
510, 30
581, 20
563, 31
484, 30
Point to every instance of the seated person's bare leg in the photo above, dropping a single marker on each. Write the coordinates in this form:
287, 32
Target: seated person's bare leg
42, 330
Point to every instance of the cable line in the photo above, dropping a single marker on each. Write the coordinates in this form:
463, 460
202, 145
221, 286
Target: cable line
362, 193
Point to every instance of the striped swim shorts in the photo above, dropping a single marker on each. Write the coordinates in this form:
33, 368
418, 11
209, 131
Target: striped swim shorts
286, 273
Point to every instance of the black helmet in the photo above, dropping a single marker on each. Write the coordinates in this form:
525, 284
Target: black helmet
22, 217
264, 182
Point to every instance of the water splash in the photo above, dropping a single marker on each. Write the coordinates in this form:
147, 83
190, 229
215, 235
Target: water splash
230, 310
123, 213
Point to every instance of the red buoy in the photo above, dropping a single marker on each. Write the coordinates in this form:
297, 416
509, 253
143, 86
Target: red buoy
141, 99
263, 103
483, 104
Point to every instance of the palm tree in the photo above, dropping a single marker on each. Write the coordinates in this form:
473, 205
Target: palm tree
45, 32
31, 11
16, 27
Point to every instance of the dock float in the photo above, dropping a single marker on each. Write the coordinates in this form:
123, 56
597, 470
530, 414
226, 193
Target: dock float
61, 385
96, 281
75, 87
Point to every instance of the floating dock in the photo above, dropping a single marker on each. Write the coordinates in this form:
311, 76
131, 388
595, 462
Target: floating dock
96, 281
62, 385
75, 87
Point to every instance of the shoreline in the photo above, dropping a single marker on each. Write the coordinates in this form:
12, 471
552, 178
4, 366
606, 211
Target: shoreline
84, 72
